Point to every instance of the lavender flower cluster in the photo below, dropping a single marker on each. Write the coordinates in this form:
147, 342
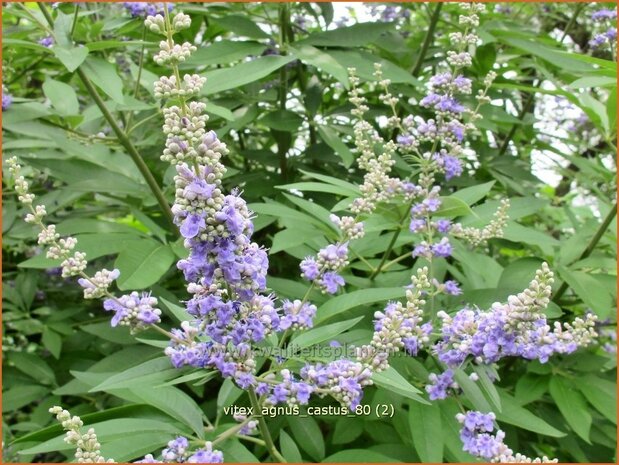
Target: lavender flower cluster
142, 9
606, 18
517, 328
388, 13
7, 99
178, 451
476, 435
226, 271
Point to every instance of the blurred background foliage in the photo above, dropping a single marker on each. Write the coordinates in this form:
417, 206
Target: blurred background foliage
277, 94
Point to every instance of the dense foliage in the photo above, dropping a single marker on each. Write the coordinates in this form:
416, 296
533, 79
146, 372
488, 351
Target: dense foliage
431, 187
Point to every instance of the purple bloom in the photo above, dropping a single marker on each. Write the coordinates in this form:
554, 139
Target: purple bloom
192, 225
440, 384
442, 248
443, 226
452, 288
309, 269
421, 250
297, 314
417, 224
604, 14
133, 309
141, 9
47, 41
7, 100
331, 282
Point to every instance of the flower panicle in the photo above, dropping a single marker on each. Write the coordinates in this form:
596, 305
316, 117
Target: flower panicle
478, 440
129, 310
87, 446
517, 327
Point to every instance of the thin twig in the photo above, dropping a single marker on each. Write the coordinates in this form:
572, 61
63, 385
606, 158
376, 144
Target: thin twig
590, 247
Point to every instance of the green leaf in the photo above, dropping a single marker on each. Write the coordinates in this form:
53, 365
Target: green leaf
334, 181
347, 430
341, 303
572, 406
518, 233
323, 333
364, 62
310, 186
519, 273
356, 35
593, 81
20, 396
142, 264
289, 449
108, 431
228, 393
335, 142
470, 195
235, 452
282, 120
530, 387
322, 61
175, 403
223, 112
179, 312
487, 386
472, 392
244, 73
71, 58
223, 51
136, 444
519, 207
308, 436
359, 456
557, 58
393, 381
516, 415
426, 428
453, 206
33, 366
104, 75
241, 25
282, 211
52, 341
592, 292
292, 237
150, 372
62, 96
602, 394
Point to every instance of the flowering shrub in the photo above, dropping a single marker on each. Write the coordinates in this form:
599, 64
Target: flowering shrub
417, 285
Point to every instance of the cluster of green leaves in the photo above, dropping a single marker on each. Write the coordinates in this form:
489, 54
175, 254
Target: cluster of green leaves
277, 95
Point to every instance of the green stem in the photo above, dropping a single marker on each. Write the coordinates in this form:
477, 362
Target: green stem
590, 247
136, 89
75, 15
427, 41
284, 19
393, 239
122, 136
264, 430
131, 150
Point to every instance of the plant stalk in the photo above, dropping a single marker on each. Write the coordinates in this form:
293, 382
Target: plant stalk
264, 430
122, 137
590, 247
